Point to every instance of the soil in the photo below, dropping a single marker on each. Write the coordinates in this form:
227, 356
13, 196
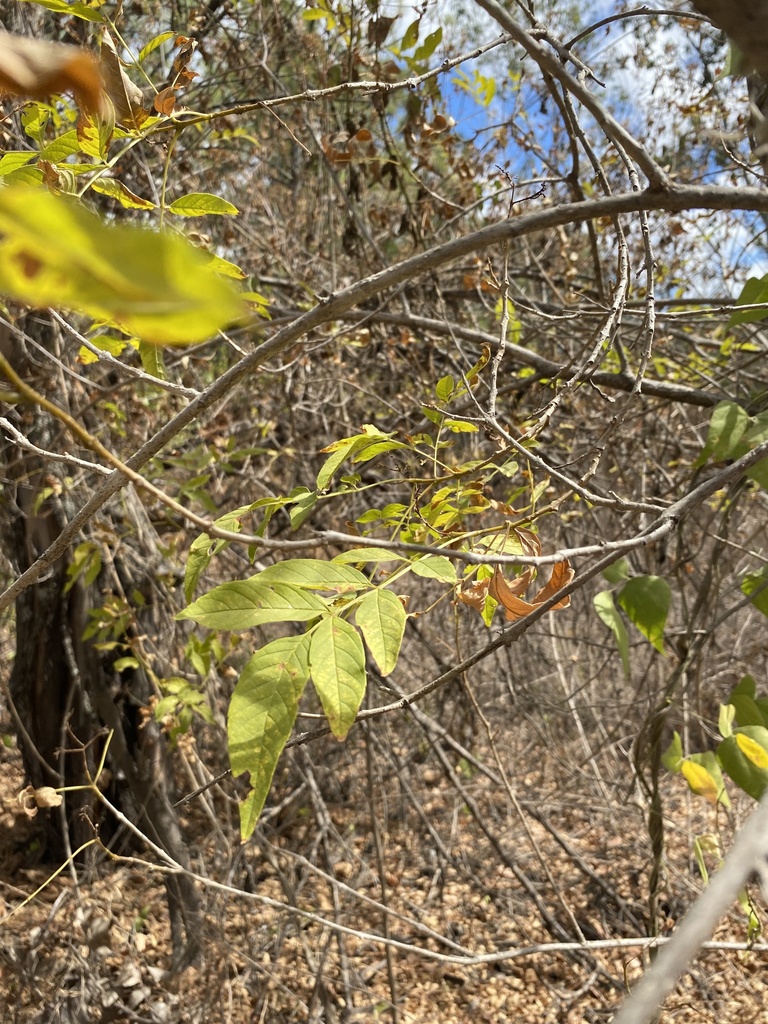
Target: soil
94, 944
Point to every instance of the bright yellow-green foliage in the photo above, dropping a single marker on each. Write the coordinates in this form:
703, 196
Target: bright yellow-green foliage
53, 252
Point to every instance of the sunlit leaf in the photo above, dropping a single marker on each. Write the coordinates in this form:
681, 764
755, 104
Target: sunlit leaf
117, 190
700, 780
261, 716
337, 664
434, 567
75, 8
752, 750
53, 252
199, 204
314, 574
381, 618
153, 44
242, 604
368, 555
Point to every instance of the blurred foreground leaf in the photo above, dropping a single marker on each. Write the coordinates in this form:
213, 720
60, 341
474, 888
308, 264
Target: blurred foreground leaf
53, 252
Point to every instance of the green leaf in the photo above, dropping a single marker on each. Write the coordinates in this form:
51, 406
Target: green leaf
25, 177
610, 615
734, 63
646, 599
261, 716
76, 9
53, 252
117, 190
243, 604
198, 559
726, 719
60, 148
460, 426
368, 555
203, 548
746, 686
435, 567
199, 204
747, 711
301, 508
411, 36
337, 664
726, 428
759, 473
757, 431
153, 45
13, 161
228, 269
747, 775
152, 360
381, 619
314, 574
618, 572
370, 451
755, 291
672, 758
429, 45
752, 583
445, 388
330, 466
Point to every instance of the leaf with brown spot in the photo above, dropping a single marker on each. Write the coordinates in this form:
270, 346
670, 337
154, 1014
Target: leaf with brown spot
36, 69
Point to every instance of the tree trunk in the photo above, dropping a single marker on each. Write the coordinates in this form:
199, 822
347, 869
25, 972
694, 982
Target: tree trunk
66, 693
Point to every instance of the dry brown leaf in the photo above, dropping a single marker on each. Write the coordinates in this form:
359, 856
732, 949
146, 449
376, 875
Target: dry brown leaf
529, 541
503, 507
514, 607
127, 98
37, 69
165, 101
562, 574
187, 48
474, 594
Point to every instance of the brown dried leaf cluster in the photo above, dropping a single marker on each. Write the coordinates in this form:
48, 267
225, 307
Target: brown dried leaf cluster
509, 595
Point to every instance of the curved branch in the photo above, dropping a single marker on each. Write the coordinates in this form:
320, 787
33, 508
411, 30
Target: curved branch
673, 200
548, 62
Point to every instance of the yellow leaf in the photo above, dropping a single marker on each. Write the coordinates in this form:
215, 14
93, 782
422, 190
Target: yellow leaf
53, 252
752, 750
700, 781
